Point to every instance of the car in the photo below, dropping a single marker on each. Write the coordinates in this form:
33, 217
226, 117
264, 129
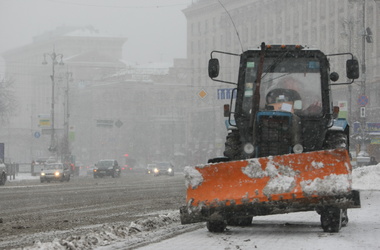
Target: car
54, 172
163, 168
150, 168
90, 170
108, 167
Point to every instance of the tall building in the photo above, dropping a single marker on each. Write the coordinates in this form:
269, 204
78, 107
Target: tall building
332, 26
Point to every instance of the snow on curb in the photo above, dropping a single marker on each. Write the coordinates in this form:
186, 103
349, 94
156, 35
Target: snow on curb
108, 234
366, 178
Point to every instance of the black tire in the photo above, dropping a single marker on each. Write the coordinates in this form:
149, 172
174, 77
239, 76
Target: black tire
233, 145
336, 140
331, 219
216, 223
216, 226
240, 221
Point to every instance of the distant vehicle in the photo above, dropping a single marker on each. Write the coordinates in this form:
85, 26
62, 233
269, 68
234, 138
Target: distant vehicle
130, 164
37, 165
3, 174
109, 167
55, 172
150, 168
163, 168
89, 169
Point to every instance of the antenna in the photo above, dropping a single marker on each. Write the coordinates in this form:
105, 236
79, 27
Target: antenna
232, 21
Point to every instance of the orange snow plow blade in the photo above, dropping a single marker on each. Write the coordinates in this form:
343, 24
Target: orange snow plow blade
270, 185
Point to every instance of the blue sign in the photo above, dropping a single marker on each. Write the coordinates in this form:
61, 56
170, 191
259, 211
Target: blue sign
225, 94
37, 134
363, 100
369, 127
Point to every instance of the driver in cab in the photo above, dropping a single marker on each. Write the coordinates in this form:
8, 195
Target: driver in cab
288, 95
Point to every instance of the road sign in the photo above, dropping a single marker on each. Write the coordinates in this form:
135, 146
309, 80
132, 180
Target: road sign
118, 123
362, 112
104, 123
37, 134
363, 100
202, 94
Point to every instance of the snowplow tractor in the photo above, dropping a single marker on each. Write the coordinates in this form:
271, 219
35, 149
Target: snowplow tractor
286, 150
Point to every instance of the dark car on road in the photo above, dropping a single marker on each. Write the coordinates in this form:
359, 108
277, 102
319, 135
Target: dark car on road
163, 168
109, 167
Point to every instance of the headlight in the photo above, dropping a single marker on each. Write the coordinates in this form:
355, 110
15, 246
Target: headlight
156, 170
95, 170
57, 173
249, 148
42, 174
170, 170
297, 148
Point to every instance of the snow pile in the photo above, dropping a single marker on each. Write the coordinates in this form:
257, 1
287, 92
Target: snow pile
254, 169
279, 185
366, 178
109, 234
332, 184
193, 177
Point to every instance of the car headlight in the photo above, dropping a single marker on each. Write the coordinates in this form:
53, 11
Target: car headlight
249, 148
298, 148
42, 174
57, 173
170, 170
156, 170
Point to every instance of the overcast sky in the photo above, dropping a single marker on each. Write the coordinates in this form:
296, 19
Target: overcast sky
155, 29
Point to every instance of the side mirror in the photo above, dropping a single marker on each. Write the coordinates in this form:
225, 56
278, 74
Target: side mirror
213, 68
334, 76
352, 69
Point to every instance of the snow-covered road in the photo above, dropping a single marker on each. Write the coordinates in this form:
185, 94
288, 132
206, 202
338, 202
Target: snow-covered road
288, 231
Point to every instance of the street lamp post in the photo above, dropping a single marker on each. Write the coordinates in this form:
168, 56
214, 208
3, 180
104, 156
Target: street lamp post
66, 150
54, 57
366, 38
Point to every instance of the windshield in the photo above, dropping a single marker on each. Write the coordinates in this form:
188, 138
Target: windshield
164, 165
53, 166
290, 84
105, 164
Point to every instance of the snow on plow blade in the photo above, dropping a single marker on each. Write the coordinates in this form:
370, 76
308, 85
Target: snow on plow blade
269, 185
